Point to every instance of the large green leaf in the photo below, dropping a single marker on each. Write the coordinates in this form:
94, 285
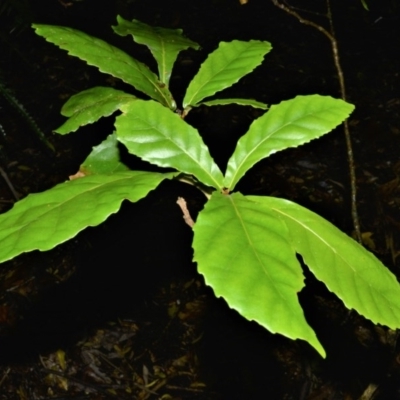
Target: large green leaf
90, 105
224, 67
288, 124
243, 251
355, 275
165, 44
108, 59
157, 135
44, 220
104, 158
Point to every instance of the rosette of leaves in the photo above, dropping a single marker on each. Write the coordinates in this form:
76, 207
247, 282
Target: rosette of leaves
245, 246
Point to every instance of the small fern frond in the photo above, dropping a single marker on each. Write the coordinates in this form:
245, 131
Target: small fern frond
14, 103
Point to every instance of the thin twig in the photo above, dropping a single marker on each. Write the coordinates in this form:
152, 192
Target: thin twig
186, 215
7, 371
335, 51
9, 184
192, 181
185, 389
81, 383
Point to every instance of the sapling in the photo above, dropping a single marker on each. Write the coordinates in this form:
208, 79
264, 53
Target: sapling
245, 246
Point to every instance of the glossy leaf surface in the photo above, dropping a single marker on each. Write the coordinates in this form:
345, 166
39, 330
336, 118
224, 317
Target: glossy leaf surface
90, 105
224, 67
354, 274
108, 59
157, 135
165, 44
243, 251
288, 124
104, 158
42, 221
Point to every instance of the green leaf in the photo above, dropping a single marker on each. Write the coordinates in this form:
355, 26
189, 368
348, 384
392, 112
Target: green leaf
240, 102
90, 105
242, 249
104, 158
165, 44
288, 124
354, 274
224, 67
44, 220
161, 137
108, 59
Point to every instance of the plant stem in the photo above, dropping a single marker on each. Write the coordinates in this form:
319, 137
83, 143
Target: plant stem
186, 215
335, 51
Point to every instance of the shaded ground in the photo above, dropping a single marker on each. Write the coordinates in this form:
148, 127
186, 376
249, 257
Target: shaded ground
120, 312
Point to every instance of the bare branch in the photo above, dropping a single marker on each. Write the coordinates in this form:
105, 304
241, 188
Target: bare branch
186, 215
335, 52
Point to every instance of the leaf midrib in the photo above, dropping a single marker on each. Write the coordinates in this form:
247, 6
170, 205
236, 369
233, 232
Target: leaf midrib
72, 198
198, 163
266, 272
334, 251
248, 154
130, 62
212, 78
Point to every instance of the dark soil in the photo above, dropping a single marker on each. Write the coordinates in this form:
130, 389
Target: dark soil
120, 312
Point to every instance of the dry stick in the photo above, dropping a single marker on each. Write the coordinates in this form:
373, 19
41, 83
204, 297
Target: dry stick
339, 71
9, 184
5, 375
186, 215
